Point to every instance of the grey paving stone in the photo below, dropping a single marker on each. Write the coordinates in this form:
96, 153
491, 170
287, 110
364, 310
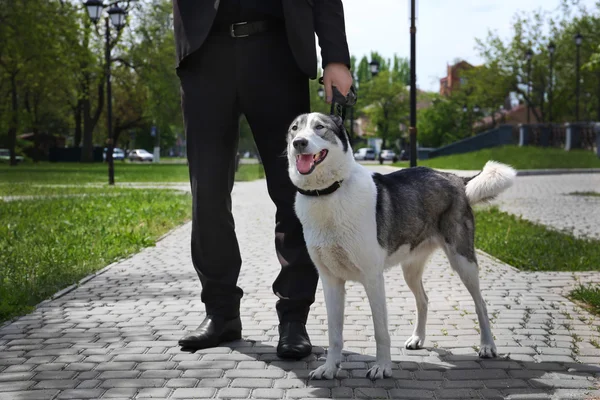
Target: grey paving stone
57, 384
411, 394
182, 383
120, 393
267, 394
233, 393
196, 393
29, 395
81, 394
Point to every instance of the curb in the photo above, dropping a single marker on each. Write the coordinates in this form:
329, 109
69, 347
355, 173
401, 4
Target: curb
532, 172
521, 172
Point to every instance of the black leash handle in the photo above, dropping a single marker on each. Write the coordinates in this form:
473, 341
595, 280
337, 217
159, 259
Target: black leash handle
340, 102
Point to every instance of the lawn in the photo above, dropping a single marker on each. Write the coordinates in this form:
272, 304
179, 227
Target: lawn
49, 244
76, 173
532, 247
518, 157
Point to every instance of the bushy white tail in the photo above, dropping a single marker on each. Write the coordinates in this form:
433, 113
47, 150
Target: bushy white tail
490, 182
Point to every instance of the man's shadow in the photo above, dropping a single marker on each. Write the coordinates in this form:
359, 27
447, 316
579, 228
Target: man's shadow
443, 375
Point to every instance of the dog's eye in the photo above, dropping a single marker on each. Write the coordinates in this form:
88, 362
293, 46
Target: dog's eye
319, 127
295, 127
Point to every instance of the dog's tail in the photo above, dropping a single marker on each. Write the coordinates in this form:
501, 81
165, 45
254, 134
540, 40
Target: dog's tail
490, 182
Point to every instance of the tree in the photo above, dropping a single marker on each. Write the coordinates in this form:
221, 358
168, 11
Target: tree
387, 105
507, 60
440, 124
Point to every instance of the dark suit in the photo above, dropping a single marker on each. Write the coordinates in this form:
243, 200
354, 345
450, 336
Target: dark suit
303, 18
265, 77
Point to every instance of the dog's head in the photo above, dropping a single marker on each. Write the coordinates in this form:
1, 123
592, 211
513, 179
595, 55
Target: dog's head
318, 150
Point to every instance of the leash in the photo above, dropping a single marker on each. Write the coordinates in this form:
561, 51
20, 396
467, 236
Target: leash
341, 103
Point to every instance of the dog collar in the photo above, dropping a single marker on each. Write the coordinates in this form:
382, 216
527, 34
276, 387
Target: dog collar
321, 192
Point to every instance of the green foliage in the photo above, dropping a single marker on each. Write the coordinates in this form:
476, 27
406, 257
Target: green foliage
439, 124
506, 60
519, 157
387, 105
52, 59
533, 247
47, 245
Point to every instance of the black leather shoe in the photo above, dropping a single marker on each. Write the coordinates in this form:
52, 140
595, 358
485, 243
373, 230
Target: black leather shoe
213, 331
293, 341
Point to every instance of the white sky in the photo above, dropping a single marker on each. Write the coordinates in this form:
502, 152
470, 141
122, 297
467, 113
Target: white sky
446, 29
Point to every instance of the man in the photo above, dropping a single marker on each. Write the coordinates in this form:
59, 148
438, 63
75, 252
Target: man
251, 57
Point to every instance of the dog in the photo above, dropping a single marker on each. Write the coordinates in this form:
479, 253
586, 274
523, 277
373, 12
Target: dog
358, 223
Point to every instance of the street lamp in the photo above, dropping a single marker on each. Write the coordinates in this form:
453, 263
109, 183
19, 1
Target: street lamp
412, 130
578, 39
374, 67
551, 49
476, 109
321, 92
116, 15
528, 57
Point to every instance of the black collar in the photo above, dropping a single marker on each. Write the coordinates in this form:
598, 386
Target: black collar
321, 192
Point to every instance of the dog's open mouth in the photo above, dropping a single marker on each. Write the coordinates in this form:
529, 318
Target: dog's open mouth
306, 163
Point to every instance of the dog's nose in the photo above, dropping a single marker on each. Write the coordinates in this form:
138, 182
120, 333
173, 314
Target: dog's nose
300, 144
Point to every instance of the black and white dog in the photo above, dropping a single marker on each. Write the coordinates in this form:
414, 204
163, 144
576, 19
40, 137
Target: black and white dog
358, 223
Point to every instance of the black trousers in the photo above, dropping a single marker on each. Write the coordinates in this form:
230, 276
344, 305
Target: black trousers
256, 76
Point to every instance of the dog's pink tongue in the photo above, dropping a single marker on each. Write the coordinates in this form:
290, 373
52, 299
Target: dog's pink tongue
304, 163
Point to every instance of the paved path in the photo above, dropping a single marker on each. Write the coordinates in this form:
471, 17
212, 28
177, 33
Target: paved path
115, 336
546, 199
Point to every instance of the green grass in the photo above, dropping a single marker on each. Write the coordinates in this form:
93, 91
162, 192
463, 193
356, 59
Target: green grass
49, 244
533, 247
591, 194
76, 173
518, 157
26, 189
590, 295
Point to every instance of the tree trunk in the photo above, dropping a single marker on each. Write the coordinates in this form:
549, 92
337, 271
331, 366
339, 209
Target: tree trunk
78, 129
87, 151
14, 125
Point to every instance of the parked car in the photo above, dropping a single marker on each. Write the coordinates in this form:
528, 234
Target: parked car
118, 154
141, 155
387, 155
5, 156
365, 153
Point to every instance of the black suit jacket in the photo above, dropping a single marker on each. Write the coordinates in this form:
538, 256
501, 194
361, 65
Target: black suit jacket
303, 18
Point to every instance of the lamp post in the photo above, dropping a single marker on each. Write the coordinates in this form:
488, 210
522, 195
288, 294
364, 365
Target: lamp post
551, 49
412, 130
374, 67
321, 92
578, 40
528, 57
116, 15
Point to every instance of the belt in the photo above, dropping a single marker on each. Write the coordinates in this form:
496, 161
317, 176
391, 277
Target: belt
247, 28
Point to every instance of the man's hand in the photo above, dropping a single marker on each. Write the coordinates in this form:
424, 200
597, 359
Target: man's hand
338, 75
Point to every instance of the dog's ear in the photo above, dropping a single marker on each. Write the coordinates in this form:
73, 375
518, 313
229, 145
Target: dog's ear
338, 121
341, 133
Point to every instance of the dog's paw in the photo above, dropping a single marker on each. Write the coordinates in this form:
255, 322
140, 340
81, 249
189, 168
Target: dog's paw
325, 371
488, 351
380, 371
414, 342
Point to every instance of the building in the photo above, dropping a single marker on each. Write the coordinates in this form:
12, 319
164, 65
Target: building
513, 116
452, 81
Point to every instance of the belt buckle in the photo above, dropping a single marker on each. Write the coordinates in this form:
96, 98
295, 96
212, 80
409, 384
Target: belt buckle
232, 30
